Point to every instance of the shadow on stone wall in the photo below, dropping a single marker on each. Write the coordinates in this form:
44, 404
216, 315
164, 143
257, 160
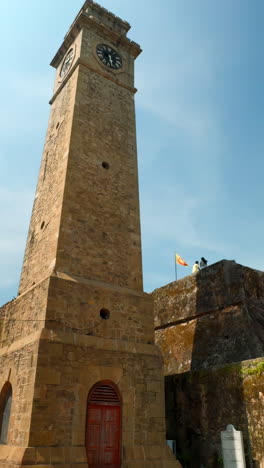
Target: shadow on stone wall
210, 328
229, 315
210, 398
200, 404
216, 399
206, 403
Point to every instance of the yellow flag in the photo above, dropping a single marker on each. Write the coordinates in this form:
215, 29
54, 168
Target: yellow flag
180, 260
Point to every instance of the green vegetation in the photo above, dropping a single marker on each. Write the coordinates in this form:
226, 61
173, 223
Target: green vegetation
255, 369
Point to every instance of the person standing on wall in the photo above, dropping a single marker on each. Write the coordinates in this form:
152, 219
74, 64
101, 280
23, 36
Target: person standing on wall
203, 263
196, 267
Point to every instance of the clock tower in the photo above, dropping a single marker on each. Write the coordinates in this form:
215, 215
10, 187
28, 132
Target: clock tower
81, 381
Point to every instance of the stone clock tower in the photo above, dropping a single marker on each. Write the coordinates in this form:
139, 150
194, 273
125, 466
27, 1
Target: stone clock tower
81, 381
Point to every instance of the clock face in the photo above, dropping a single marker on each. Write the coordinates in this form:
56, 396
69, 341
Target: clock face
67, 63
109, 56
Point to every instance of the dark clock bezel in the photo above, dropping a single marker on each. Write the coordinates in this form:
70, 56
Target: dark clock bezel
62, 76
109, 67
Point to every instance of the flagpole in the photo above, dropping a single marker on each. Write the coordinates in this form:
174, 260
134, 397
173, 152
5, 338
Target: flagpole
175, 267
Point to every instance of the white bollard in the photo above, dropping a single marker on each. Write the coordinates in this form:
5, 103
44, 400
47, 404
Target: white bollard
233, 448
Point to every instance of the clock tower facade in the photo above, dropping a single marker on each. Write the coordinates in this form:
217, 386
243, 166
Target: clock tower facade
81, 378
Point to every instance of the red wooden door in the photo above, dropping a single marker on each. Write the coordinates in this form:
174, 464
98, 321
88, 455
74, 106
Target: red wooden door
103, 435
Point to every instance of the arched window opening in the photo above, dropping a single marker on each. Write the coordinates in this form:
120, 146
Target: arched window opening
103, 426
5, 410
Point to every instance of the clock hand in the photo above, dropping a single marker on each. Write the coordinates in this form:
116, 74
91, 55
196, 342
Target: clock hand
110, 60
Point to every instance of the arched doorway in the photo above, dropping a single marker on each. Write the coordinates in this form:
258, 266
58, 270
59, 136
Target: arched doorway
103, 426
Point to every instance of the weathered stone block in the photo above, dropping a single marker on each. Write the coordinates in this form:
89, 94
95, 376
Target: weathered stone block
48, 376
211, 318
43, 455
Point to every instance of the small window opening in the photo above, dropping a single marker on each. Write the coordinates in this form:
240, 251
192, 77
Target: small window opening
5, 410
104, 314
42, 225
105, 165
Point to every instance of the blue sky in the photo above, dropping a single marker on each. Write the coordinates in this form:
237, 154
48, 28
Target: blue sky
200, 117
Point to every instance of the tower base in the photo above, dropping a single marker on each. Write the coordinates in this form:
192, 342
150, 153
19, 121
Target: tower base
52, 371
75, 457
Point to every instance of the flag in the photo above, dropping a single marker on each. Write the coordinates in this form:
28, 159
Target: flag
180, 260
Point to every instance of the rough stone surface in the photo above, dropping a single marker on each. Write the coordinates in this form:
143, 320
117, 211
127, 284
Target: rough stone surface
85, 219
210, 318
76, 306
200, 404
23, 316
213, 318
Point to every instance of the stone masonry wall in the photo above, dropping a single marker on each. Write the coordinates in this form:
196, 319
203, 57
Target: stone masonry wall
200, 404
89, 162
211, 318
68, 365
100, 232
40, 253
24, 315
18, 367
76, 306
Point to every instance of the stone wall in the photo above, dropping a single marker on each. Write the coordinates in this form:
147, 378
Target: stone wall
213, 318
85, 218
76, 306
51, 379
23, 316
200, 404
69, 365
210, 318
99, 236
41, 248
18, 367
